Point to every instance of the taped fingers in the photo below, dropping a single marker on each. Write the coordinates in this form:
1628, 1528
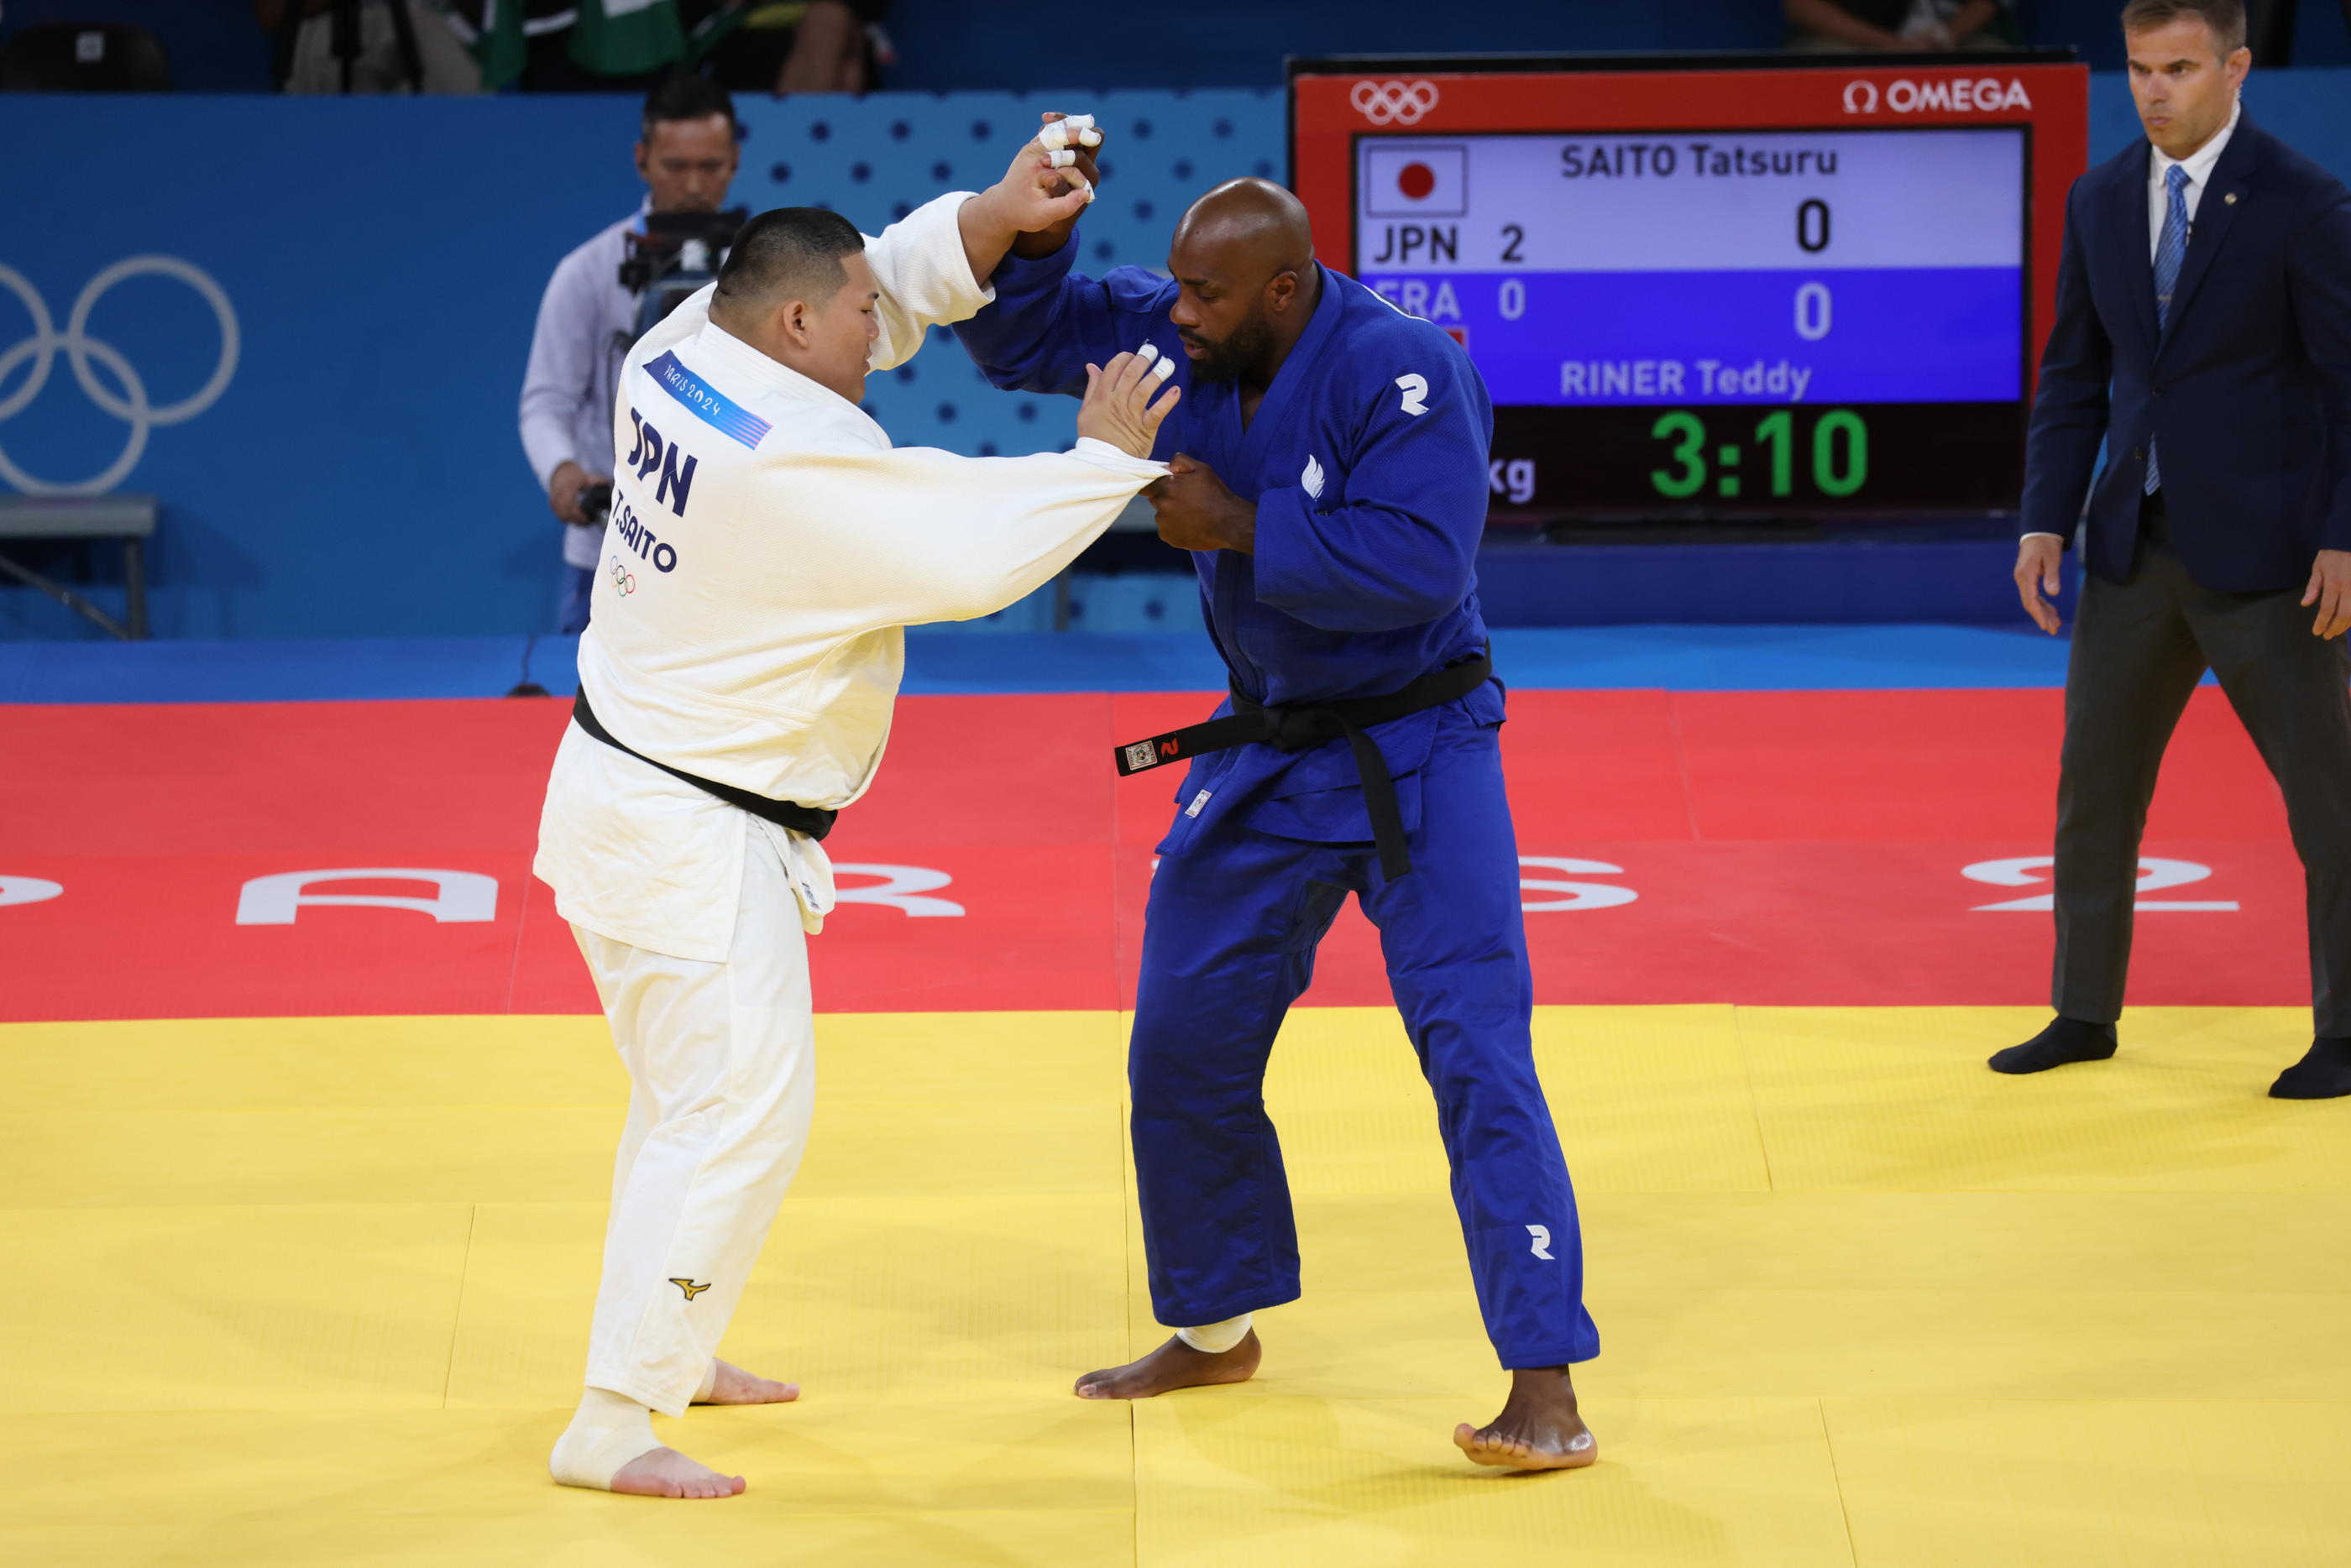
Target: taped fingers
1069, 167
1070, 129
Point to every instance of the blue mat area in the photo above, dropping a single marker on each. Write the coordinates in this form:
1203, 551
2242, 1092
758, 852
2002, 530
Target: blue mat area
281, 672
1777, 658
1676, 657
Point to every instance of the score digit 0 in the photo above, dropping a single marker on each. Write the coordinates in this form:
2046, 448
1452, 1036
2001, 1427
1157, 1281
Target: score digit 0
1813, 225
1813, 311
1834, 471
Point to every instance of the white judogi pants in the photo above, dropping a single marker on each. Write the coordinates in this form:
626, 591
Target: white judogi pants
722, 1064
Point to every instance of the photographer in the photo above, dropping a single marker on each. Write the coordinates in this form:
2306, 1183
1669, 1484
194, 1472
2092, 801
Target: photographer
588, 318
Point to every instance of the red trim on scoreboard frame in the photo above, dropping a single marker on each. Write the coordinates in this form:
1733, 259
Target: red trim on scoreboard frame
1811, 95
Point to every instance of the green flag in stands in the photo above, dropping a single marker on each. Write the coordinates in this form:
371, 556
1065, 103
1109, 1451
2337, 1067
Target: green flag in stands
609, 38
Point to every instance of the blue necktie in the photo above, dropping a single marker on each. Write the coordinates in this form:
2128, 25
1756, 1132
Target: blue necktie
2169, 252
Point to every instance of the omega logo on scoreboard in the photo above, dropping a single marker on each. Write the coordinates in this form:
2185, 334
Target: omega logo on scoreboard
1983, 95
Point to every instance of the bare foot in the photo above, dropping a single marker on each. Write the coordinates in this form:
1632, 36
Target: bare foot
666, 1472
737, 1386
1174, 1365
1538, 1429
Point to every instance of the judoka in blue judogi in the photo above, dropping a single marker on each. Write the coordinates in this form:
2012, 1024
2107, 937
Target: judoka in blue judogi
1334, 496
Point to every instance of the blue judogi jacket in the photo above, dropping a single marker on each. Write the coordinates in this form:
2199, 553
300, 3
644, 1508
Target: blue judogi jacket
1367, 461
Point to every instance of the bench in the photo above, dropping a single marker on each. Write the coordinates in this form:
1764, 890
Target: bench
129, 518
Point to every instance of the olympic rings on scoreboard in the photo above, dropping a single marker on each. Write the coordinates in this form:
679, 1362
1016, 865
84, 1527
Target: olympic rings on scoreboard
80, 349
1393, 103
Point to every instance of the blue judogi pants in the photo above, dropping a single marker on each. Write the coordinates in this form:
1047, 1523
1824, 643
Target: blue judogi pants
1228, 944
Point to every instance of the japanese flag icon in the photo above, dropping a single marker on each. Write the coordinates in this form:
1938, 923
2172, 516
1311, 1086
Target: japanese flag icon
1415, 180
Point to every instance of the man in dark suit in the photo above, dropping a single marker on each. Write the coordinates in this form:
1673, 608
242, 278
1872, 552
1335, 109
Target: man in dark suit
2203, 333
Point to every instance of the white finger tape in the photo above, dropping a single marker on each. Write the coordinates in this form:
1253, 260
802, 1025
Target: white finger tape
1079, 128
1148, 352
1061, 159
1165, 368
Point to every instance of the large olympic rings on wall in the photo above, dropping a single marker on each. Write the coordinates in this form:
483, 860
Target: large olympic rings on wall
1393, 103
81, 351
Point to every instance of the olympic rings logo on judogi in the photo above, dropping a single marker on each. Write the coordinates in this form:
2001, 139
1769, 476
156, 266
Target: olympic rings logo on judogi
130, 405
1393, 103
625, 582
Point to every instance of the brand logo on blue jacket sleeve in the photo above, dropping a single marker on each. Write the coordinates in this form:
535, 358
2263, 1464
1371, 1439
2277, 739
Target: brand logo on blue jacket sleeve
720, 413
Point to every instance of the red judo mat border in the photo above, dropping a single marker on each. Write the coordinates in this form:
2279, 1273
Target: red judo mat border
1801, 848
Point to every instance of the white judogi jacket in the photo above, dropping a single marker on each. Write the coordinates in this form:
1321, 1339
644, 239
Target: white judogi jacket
766, 548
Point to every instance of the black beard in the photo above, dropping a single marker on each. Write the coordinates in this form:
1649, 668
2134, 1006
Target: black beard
1243, 350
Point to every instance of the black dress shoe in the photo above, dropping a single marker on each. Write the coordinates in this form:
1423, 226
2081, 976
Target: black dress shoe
2065, 1040
2323, 1074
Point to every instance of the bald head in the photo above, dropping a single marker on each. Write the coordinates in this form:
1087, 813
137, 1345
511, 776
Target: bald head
1250, 226
1243, 260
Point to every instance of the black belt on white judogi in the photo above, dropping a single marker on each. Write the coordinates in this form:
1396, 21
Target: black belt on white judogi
788, 813
1294, 727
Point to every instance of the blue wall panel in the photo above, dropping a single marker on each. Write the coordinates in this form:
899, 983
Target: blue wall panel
874, 158
359, 473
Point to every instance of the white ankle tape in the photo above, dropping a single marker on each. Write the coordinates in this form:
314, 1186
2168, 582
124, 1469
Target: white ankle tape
1215, 1338
709, 1384
609, 1430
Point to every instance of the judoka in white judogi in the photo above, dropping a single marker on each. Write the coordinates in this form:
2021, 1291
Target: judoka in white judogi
767, 546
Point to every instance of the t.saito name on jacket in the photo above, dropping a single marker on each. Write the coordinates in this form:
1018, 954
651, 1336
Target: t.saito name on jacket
630, 532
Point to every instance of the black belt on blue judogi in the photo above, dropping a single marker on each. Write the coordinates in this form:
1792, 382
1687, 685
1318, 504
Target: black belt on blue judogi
788, 813
1294, 727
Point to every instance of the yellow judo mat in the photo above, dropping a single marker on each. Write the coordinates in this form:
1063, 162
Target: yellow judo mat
311, 1292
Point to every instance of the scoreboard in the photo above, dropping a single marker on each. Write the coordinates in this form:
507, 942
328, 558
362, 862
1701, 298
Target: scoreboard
1715, 288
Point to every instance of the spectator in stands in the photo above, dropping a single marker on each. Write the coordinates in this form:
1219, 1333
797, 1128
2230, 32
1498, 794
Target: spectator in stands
586, 319
432, 59
1836, 25
750, 46
577, 46
797, 45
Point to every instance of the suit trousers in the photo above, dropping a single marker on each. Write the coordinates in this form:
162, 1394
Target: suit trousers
2140, 648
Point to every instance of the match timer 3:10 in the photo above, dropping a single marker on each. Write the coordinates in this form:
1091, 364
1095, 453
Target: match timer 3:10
1810, 288
1830, 455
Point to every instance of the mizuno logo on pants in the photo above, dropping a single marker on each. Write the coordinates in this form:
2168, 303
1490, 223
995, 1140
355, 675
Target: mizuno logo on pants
693, 1289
